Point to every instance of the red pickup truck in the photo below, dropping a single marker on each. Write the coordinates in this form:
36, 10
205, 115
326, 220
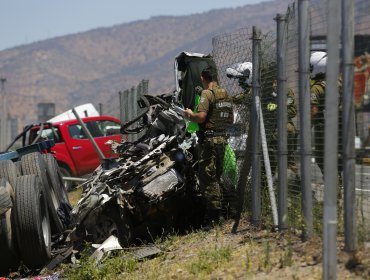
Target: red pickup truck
73, 150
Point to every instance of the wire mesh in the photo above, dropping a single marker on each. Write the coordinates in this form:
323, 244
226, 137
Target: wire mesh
294, 192
318, 20
230, 50
362, 116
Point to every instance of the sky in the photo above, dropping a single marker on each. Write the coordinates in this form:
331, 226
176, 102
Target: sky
27, 21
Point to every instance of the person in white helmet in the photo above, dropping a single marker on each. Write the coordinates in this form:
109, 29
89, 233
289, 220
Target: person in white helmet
317, 90
242, 71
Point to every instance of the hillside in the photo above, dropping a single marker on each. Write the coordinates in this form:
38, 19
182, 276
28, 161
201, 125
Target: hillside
93, 66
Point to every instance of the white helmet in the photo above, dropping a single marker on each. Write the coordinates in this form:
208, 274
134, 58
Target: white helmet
318, 63
240, 70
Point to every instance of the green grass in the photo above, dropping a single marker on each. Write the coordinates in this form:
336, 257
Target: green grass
209, 260
112, 267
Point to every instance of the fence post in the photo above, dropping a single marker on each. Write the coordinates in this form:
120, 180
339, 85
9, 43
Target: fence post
281, 46
134, 107
256, 163
126, 106
146, 91
348, 127
120, 96
305, 115
130, 110
101, 109
331, 140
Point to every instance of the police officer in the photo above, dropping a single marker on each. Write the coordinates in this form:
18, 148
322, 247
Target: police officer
317, 89
242, 71
214, 115
270, 109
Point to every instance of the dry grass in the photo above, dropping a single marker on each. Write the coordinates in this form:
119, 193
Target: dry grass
74, 195
250, 254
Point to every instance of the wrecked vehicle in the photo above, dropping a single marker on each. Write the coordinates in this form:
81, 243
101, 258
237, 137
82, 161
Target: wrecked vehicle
151, 188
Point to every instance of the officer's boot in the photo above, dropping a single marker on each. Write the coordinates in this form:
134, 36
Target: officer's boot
212, 218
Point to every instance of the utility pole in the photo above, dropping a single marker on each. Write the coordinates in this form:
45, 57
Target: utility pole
3, 128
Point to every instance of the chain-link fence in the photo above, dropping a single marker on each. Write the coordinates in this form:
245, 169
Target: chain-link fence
299, 148
306, 114
361, 92
232, 55
128, 107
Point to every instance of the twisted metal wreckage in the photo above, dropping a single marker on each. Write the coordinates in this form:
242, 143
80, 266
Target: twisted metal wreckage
150, 188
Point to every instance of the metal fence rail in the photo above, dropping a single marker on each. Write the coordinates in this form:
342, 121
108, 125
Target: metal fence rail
310, 120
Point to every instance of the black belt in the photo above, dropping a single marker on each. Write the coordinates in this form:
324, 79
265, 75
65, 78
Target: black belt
211, 133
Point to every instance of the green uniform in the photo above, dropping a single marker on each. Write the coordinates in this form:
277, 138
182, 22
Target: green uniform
212, 141
317, 90
270, 117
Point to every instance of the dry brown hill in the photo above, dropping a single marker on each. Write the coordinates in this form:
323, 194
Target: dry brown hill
91, 67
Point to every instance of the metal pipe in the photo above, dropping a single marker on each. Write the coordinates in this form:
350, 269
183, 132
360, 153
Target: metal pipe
266, 160
305, 116
74, 179
89, 136
256, 164
331, 140
282, 119
348, 127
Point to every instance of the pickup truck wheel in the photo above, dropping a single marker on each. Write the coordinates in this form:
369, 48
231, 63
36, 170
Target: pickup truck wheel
9, 259
34, 164
31, 220
68, 185
9, 171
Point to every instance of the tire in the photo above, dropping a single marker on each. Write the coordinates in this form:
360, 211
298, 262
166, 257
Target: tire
9, 171
31, 220
9, 259
34, 164
68, 185
6, 196
56, 177
57, 184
